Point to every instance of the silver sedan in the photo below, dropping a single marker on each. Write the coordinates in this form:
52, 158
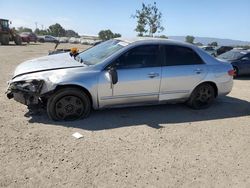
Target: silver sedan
121, 72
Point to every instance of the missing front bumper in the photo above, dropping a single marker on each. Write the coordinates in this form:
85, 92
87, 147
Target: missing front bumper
22, 93
24, 98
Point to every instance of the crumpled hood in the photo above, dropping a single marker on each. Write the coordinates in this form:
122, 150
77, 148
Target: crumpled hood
53, 62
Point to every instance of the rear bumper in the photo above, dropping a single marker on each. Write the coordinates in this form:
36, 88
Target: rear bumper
224, 88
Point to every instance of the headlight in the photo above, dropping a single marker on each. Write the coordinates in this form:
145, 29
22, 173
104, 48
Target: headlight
33, 86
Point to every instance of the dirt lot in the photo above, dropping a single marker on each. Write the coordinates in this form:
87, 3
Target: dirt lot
159, 146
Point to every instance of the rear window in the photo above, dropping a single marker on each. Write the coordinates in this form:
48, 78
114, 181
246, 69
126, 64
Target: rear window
178, 55
232, 55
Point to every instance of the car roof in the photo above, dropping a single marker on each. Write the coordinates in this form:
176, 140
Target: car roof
153, 40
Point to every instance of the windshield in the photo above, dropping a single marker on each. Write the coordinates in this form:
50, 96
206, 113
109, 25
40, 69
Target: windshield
100, 52
232, 55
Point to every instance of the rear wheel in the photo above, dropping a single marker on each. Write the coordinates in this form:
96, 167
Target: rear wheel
202, 97
68, 104
18, 40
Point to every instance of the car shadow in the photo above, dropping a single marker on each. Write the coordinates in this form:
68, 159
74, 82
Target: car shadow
153, 116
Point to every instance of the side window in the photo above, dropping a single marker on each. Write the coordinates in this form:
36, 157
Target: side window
178, 55
139, 57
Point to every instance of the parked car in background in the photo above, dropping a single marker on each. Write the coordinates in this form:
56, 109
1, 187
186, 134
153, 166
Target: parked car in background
97, 42
210, 50
121, 72
90, 41
47, 38
28, 37
240, 60
63, 39
74, 40
223, 49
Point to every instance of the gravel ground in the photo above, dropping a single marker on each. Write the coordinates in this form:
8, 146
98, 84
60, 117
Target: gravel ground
159, 146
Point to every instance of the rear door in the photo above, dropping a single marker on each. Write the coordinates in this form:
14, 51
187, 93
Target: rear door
183, 69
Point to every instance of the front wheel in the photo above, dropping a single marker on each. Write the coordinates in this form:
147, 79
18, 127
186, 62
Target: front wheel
5, 40
202, 97
68, 104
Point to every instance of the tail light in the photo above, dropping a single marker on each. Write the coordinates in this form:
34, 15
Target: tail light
231, 72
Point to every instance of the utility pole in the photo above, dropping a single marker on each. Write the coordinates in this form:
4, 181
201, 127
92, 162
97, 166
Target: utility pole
36, 24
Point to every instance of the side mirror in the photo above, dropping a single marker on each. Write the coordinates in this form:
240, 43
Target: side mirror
245, 59
113, 74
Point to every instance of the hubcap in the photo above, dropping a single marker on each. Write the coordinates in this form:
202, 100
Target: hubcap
69, 108
204, 96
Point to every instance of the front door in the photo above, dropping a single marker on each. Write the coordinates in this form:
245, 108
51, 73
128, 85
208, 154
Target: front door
139, 76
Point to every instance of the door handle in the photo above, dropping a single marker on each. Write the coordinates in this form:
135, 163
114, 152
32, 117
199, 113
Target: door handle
198, 71
153, 75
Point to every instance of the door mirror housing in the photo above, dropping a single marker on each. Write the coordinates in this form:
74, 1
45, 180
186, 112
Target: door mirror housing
245, 59
113, 75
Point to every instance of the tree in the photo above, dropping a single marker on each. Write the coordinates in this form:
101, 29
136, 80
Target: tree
198, 44
213, 44
148, 20
41, 32
141, 16
71, 33
56, 30
117, 35
23, 29
108, 34
154, 20
162, 36
190, 39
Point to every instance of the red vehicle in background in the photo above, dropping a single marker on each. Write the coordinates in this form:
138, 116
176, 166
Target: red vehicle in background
28, 37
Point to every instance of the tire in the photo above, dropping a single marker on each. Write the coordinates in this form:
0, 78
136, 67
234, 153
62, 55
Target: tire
68, 104
41, 40
202, 96
236, 72
5, 40
18, 40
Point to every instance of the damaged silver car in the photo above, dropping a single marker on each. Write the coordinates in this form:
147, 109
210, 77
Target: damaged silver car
120, 72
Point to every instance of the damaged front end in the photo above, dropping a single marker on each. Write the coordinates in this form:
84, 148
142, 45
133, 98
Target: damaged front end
26, 92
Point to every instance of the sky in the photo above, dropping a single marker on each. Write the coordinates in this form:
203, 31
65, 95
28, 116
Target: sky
227, 19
